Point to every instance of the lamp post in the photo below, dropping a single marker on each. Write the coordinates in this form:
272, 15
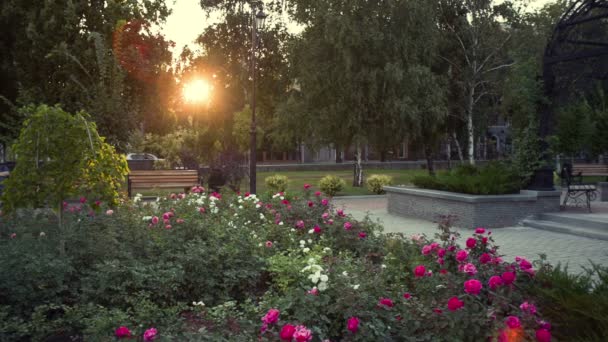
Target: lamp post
257, 21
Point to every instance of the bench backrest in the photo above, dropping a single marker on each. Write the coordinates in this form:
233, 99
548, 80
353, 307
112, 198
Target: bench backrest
149, 176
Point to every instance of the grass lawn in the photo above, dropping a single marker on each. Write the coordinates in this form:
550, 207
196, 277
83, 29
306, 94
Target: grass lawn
297, 179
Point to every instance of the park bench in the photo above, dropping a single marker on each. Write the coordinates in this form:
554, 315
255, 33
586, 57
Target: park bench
164, 179
577, 191
591, 170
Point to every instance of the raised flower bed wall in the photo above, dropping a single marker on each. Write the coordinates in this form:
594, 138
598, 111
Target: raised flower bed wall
491, 211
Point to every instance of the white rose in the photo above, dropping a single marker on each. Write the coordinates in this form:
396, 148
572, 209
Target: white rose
306, 250
322, 286
324, 278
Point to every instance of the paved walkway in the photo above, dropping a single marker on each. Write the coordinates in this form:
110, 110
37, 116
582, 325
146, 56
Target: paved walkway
528, 242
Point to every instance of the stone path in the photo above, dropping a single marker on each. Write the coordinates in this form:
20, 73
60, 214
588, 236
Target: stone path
528, 242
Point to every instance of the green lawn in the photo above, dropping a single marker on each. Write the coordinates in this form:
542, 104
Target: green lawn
297, 179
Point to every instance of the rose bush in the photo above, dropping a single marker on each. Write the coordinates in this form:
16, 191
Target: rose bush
287, 267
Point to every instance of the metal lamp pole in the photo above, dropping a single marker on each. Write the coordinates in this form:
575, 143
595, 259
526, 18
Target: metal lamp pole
258, 21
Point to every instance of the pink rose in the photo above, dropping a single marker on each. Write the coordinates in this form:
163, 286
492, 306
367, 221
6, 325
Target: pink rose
168, 226
155, 220
340, 213
440, 261
508, 278
302, 334
330, 221
317, 193
287, 332
462, 255
480, 230
180, 221
347, 225
362, 235
317, 229
353, 324
434, 246
122, 332
471, 242
544, 325
166, 216
271, 317
310, 204
150, 334
419, 271
109, 212
472, 286
269, 244
407, 295
494, 282
513, 322
201, 210
300, 224
387, 302
543, 335
454, 304
527, 307
484, 240
441, 253
525, 264
470, 269
426, 250
314, 291
83, 199
306, 186
325, 216
485, 258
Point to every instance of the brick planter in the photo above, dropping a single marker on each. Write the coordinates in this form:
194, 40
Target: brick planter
493, 211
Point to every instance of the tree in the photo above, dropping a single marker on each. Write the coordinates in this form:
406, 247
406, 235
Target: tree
481, 39
65, 52
59, 156
427, 109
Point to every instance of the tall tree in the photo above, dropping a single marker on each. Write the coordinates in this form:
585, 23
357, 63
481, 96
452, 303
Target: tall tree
62, 52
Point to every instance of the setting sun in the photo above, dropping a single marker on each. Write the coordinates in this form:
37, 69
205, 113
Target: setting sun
197, 91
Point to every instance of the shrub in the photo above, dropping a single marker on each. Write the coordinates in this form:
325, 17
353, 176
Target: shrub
492, 179
376, 182
277, 183
207, 267
331, 185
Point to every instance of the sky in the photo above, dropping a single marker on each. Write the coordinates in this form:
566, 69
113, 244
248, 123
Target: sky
188, 20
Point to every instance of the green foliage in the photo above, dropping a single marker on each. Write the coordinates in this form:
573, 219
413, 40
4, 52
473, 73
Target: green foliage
209, 274
578, 304
575, 128
492, 179
331, 185
376, 182
277, 183
60, 155
527, 156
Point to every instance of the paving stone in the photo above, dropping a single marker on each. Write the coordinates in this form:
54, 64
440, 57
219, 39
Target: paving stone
573, 250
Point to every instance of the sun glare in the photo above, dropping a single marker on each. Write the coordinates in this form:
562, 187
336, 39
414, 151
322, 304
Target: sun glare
197, 91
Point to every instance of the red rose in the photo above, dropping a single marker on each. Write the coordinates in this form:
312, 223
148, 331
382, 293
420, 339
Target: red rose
287, 332
485, 258
386, 302
419, 271
472, 286
353, 324
471, 242
454, 304
122, 332
508, 278
543, 335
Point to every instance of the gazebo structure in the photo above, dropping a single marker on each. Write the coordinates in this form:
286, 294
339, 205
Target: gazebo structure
576, 58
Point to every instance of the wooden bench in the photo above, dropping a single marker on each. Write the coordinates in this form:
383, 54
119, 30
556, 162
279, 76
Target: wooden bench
164, 179
577, 191
590, 170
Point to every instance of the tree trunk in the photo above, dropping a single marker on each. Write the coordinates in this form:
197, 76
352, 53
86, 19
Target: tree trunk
383, 156
428, 155
61, 232
358, 176
448, 152
458, 148
470, 128
338, 154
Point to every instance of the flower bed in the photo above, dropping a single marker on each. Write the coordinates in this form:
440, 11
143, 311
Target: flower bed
212, 267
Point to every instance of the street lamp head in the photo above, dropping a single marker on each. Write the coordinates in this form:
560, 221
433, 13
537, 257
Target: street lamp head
260, 19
